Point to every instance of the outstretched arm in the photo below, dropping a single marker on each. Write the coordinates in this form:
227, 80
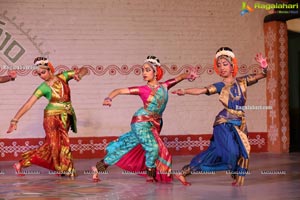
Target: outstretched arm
190, 91
4, 79
190, 76
11, 75
260, 76
79, 73
21, 112
108, 100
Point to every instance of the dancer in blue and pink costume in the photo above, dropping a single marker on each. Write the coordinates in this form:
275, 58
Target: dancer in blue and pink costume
229, 148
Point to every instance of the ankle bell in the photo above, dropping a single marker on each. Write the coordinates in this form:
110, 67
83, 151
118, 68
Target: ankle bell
151, 172
101, 166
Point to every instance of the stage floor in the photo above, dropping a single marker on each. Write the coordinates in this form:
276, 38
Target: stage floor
271, 176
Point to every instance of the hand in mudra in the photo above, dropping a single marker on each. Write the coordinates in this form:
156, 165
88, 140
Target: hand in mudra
179, 92
193, 74
262, 61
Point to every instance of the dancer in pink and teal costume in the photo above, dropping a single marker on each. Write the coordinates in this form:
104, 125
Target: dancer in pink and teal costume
141, 149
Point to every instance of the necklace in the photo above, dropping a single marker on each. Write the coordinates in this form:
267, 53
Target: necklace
152, 86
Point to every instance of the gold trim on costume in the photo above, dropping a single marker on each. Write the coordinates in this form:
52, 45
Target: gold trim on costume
244, 139
211, 89
134, 90
251, 79
219, 120
64, 109
38, 93
243, 85
224, 95
244, 164
238, 113
59, 108
57, 90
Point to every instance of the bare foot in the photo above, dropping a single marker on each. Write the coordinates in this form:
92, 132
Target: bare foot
18, 169
95, 174
182, 179
150, 179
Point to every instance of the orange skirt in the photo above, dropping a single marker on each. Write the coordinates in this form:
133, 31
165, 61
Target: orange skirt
55, 153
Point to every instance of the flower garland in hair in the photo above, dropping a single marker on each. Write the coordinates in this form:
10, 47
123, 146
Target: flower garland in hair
225, 53
159, 73
152, 61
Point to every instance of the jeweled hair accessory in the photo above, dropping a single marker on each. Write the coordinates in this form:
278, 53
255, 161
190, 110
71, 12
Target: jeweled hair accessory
225, 51
44, 63
153, 60
41, 61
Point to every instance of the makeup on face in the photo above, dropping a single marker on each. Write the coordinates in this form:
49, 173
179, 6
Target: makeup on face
42, 72
224, 63
148, 72
147, 68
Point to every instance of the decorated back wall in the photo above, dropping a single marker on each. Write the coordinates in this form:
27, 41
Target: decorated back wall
112, 38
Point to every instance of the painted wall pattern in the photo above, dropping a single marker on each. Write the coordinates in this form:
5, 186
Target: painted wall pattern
111, 39
277, 86
95, 147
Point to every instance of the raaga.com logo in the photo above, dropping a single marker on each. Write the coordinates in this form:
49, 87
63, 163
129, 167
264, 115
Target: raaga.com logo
281, 8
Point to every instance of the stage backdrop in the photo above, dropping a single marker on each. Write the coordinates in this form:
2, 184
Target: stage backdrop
112, 38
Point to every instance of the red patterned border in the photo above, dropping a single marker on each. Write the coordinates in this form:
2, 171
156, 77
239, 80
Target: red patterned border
100, 70
93, 147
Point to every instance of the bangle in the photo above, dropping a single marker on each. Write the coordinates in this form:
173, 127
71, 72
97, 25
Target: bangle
265, 70
13, 121
108, 99
11, 78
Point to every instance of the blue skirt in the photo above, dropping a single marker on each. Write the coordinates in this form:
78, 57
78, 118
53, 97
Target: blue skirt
223, 152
